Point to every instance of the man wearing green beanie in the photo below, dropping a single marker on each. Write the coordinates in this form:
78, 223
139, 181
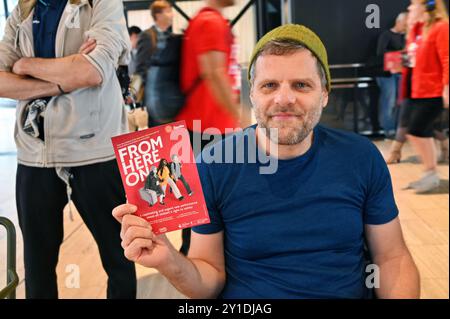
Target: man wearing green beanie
298, 231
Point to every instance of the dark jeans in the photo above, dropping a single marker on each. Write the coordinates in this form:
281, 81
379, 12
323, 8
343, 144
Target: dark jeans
388, 95
186, 233
41, 197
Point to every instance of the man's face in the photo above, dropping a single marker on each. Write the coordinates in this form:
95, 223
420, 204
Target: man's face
134, 39
166, 17
287, 95
175, 159
401, 22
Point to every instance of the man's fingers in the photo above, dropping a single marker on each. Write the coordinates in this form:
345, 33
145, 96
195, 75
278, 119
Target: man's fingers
134, 232
87, 44
88, 49
120, 211
131, 220
83, 46
134, 250
17, 67
161, 239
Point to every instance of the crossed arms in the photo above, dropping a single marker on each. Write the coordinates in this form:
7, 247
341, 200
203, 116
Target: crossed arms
40, 77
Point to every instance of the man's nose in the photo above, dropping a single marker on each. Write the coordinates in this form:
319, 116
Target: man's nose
285, 95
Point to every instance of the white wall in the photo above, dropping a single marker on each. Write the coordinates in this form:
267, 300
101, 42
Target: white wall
140, 18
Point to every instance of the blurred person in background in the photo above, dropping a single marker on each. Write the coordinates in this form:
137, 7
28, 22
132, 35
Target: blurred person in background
395, 152
137, 113
150, 41
134, 32
208, 73
388, 81
429, 85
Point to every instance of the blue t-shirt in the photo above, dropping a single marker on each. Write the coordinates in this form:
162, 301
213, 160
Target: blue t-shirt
298, 233
46, 18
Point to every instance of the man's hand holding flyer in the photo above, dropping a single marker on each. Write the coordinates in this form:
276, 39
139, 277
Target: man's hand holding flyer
160, 177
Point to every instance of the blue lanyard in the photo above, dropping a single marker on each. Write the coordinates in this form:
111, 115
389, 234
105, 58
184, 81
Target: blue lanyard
44, 3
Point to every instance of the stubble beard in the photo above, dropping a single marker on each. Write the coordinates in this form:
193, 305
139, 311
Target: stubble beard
288, 134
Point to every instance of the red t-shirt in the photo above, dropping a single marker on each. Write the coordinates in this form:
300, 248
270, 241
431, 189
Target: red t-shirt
412, 42
207, 31
430, 74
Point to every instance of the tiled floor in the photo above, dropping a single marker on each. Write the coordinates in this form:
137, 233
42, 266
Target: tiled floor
425, 222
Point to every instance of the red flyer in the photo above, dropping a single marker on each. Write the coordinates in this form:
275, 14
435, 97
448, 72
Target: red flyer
160, 177
393, 61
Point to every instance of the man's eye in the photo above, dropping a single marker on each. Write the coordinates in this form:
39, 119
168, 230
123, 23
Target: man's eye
301, 85
269, 85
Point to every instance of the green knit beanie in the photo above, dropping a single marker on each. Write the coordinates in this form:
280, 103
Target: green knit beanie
297, 33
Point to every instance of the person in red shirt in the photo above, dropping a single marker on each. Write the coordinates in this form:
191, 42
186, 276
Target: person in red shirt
208, 72
211, 76
429, 86
414, 35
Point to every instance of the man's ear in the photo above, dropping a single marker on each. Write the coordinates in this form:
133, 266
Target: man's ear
325, 96
251, 95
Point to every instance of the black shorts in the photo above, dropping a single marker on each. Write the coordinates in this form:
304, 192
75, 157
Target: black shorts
420, 116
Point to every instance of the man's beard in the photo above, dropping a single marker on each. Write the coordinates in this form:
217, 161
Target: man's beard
287, 133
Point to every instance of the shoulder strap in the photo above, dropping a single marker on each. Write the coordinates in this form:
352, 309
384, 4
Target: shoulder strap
194, 86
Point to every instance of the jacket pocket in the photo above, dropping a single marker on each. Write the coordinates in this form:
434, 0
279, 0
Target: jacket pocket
94, 117
75, 115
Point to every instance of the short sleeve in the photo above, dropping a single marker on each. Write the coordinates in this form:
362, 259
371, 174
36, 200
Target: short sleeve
380, 207
216, 224
212, 35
